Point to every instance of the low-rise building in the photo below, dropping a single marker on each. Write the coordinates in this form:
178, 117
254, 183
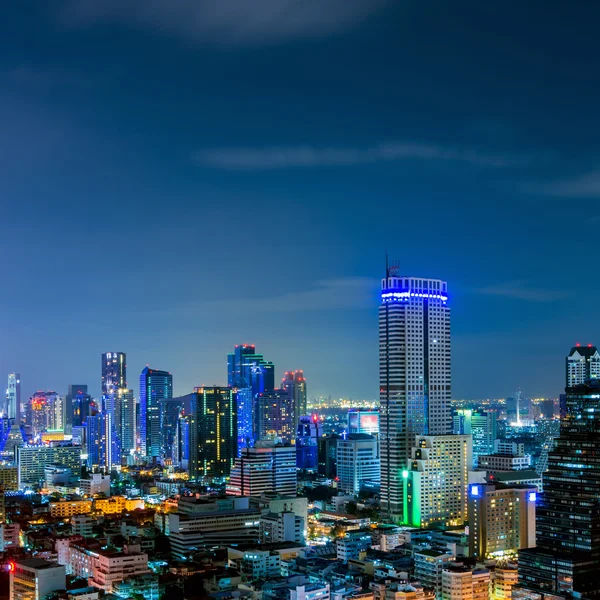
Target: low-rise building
352, 544
117, 505
461, 582
95, 483
429, 565
9, 536
83, 525
281, 527
145, 586
68, 508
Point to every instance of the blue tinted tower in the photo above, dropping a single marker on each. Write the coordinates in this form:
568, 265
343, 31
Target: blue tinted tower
155, 386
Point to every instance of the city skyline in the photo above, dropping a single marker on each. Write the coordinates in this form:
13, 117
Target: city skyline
280, 140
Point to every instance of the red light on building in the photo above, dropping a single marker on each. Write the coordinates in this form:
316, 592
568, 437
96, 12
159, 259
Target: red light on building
10, 567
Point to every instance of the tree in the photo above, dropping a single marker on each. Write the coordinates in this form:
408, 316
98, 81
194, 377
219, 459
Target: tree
351, 507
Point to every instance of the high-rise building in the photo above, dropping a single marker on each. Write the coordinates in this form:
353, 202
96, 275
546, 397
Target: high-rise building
114, 371
363, 420
100, 439
501, 520
414, 374
275, 412
244, 402
13, 397
294, 383
33, 460
75, 390
582, 364
265, 468
212, 433
307, 443
83, 406
124, 422
436, 479
480, 424
236, 374
357, 462
45, 412
171, 411
154, 386
565, 561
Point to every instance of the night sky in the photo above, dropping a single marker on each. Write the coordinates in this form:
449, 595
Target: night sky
178, 177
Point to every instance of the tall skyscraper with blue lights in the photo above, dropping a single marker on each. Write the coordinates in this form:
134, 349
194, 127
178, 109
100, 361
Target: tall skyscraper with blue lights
114, 371
414, 374
13, 397
154, 386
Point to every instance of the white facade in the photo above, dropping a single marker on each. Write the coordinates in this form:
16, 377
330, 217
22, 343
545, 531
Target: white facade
9, 536
281, 527
82, 525
414, 375
504, 462
436, 480
265, 468
583, 363
95, 483
464, 583
429, 565
311, 591
357, 462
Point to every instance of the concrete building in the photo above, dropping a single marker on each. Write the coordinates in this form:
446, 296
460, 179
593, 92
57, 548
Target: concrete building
277, 503
82, 525
32, 461
9, 536
414, 375
35, 578
461, 582
259, 564
429, 565
210, 523
357, 462
436, 480
281, 527
265, 468
504, 462
95, 483
501, 519
9, 478
352, 544
68, 508
504, 578
115, 505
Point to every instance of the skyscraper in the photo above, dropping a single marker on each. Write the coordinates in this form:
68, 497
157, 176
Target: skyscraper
114, 371
275, 411
357, 462
481, 424
236, 376
295, 385
212, 433
414, 374
154, 386
567, 555
13, 397
74, 390
583, 364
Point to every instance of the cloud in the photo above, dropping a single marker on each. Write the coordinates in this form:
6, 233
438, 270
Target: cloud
227, 22
285, 157
583, 186
522, 290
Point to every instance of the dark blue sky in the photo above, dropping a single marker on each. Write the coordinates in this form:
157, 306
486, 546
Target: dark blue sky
177, 177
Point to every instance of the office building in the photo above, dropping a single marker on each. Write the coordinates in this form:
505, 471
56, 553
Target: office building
294, 383
155, 385
244, 403
327, 453
307, 443
436, 480
504, 462
275, 415
33, 460
124, 422
114, 372
501, 520
9, 478
462, 582
363, 420
46, 412
35, 578
103, 450
82, 407
12, 409
74, 391
95, 483
357, 462
212, 433
265, 468
582, 365
246, 368
210, 522
414, 375
481, 425
171, 411
567, 555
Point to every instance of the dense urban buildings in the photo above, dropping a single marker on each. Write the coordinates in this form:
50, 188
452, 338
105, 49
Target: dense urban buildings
414, 375
567, 555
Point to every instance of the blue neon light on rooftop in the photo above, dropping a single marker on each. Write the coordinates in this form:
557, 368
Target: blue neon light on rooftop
388, 296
